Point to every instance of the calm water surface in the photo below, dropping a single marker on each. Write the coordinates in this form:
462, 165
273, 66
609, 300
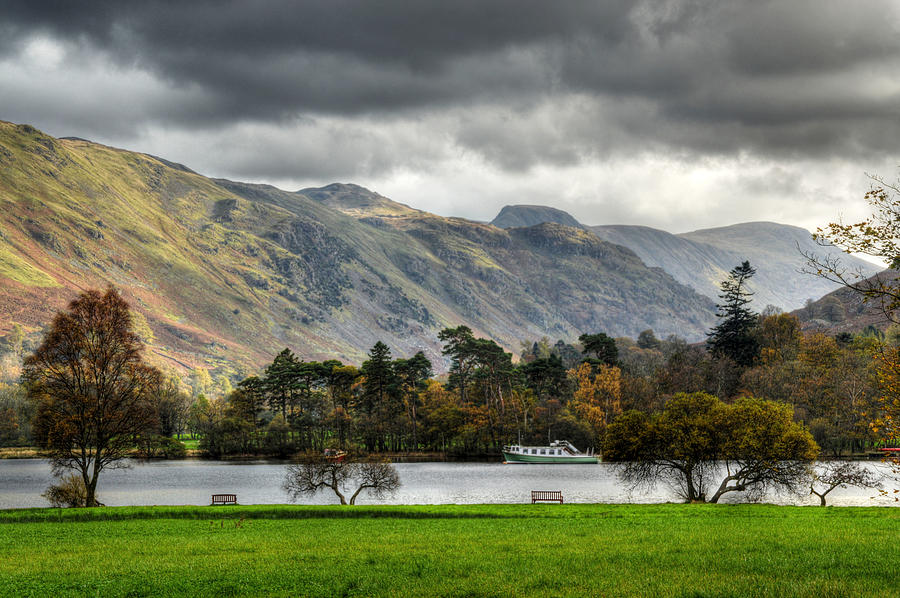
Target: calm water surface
192, 482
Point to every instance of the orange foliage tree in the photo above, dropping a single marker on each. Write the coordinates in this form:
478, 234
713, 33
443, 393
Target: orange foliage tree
598, 396
92, 391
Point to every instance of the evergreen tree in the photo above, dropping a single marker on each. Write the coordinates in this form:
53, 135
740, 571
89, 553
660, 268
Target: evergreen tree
379, 401
735, 334
602, 347
282, 382
459, 345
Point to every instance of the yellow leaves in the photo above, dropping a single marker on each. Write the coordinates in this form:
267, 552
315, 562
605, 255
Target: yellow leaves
888, 366
598, 394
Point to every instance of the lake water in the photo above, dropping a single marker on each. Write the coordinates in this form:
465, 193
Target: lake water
192, 482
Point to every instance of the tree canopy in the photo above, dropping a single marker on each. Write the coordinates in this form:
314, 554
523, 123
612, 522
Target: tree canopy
703, 448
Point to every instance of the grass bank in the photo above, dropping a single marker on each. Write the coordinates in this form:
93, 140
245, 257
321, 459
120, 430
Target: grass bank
506, 550
20, 452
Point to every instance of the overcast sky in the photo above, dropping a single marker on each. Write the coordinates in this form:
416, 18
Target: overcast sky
678, 115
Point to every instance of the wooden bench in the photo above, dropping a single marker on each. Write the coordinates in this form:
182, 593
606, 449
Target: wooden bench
546, 496
224, 499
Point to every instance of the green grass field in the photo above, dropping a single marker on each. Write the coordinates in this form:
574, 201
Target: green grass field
508, 550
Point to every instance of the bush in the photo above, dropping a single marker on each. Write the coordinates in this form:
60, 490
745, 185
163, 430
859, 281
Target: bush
69, 492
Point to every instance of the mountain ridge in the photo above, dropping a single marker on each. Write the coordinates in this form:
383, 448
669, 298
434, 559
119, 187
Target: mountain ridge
224, 274
703, 258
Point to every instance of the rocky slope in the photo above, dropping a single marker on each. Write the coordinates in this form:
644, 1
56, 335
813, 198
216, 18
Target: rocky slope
226, 273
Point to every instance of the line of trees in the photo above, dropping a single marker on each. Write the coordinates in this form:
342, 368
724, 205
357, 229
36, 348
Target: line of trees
561, 390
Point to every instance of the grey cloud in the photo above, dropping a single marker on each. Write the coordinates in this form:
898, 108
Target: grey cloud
519, 82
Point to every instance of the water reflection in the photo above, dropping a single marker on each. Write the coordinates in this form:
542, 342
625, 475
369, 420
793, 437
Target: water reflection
192, 482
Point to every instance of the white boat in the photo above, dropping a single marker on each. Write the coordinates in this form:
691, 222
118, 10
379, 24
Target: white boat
559, 451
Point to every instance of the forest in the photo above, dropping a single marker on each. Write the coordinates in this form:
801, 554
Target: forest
560, 390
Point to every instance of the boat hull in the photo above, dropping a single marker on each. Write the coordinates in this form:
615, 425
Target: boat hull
556, 459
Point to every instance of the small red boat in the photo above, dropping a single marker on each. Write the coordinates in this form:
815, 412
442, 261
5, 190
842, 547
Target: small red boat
335, 455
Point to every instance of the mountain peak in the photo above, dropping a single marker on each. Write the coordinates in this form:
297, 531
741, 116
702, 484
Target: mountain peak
516, 216
356, 201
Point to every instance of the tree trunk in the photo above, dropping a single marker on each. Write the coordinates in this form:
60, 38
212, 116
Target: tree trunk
725, 488
355, 494
91, 498
821, 495
337, 491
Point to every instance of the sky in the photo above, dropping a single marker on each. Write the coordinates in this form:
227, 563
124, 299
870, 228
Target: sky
677, 115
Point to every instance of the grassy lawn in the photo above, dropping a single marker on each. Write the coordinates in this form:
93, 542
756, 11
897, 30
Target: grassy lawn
190, 442
509, 550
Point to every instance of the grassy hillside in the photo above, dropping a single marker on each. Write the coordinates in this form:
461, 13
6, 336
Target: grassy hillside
226, 273
479, 550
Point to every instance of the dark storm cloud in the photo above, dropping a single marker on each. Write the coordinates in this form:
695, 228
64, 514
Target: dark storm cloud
527, 82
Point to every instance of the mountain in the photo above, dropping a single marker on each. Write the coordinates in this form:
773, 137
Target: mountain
523, 215
226, 274
776, 250
697, 265
702, 259
357, 201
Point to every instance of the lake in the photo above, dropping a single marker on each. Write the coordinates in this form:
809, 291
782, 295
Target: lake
192, 482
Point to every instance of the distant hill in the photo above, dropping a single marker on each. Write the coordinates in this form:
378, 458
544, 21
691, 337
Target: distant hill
775, 250
228, 273
697, 265
702, 259
523, 215
844, 310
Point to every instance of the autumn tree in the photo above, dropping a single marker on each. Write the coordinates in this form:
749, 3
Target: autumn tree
92, 390
763, 448
703, 449
598, 396
779, 337
877, 236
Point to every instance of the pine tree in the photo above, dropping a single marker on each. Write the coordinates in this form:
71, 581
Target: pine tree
735, 334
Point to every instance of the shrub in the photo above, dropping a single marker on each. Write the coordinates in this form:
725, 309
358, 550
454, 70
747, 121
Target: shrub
69, 492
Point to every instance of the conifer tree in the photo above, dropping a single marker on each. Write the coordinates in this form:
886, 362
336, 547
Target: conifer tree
735, 334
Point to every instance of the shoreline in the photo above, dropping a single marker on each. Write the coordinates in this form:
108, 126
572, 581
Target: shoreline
30, 452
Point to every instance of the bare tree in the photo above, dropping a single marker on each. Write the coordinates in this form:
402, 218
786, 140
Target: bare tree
877, 236
841, 474
314, 472
92, 391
